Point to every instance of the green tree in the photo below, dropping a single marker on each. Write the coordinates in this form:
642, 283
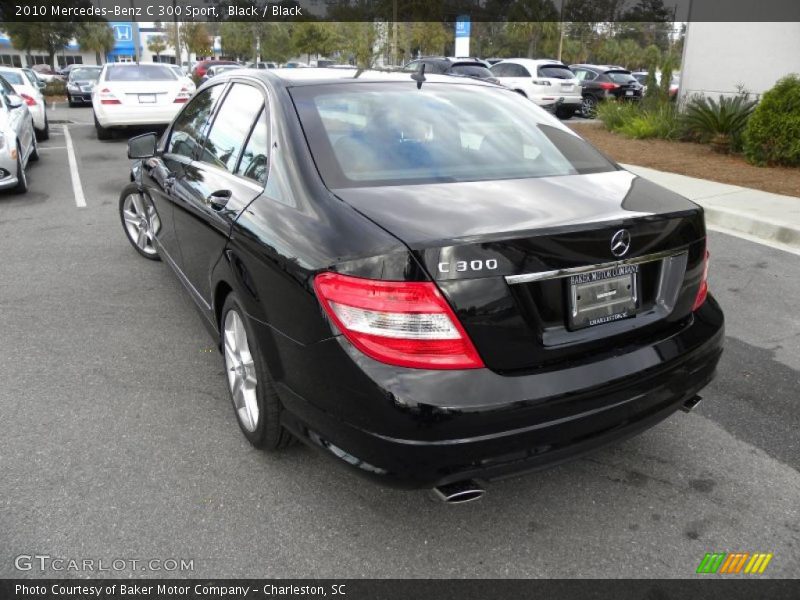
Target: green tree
96, 37
425, 38
361, 42
51, 37
310, 37
275, 40
196, 38
157, 44
238, 39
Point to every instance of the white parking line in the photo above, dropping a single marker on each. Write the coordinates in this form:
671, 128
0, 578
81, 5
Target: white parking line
52, 147
77, 188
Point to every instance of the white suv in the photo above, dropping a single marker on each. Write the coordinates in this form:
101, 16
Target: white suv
548, 83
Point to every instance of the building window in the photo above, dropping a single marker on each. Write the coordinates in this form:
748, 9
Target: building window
124, 58
11, 60
70, 59
38, 59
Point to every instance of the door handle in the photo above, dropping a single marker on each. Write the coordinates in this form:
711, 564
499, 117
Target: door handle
219, 199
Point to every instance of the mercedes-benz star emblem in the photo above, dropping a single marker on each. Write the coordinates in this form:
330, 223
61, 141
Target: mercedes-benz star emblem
621, 243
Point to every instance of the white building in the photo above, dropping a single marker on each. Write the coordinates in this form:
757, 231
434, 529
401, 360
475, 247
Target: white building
719, 57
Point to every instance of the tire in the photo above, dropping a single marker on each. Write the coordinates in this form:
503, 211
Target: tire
565, 113
44, 134
71, 102
244, 363
22, 178
34, 157
589, 107
103, 133
140, 221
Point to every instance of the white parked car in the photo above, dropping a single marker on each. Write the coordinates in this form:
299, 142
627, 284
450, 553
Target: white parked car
26, 85
130, 94
548, 83
17, 139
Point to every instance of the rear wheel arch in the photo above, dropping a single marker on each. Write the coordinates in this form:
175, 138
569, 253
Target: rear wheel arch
221, 292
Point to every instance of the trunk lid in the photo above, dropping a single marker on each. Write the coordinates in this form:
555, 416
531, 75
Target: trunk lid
506, 253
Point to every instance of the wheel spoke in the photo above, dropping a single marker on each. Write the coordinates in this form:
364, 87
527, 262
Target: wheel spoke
141, 238
130, 217
139, 206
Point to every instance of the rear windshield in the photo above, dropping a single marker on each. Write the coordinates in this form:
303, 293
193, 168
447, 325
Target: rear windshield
12, 77
370, 134
140, 73
556, 72
471, 71
84, 74
620, 76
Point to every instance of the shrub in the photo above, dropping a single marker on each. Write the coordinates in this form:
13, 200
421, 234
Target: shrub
659, 121
55, 88
720, 122
772, 135
615, 114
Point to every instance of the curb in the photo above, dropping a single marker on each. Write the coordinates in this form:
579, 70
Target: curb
761, 229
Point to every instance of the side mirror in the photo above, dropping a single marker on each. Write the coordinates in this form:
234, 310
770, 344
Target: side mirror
41, 84
14, 101
142, 146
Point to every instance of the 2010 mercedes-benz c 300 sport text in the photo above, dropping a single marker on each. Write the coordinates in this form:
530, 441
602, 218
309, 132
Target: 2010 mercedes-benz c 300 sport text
428, 278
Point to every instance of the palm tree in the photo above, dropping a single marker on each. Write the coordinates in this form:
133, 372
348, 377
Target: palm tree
97, 37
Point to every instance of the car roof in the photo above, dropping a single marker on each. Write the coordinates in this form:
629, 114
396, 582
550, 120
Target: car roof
532, 62
322, 76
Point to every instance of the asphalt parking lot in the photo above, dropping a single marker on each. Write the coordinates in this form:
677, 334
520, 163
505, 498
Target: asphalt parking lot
118, 440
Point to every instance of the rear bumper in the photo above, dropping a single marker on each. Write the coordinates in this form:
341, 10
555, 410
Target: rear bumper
550, 101
121, 115
83, 97
478, 424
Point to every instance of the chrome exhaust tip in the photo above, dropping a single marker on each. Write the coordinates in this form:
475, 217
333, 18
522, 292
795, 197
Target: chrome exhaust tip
458, 492
689, 405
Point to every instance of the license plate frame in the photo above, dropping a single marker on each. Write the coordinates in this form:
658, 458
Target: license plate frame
603, 296
147, 98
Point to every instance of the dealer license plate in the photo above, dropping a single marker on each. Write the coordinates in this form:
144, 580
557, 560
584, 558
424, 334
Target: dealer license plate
603, 296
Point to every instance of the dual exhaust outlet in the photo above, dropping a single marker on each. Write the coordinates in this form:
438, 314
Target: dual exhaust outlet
468, 490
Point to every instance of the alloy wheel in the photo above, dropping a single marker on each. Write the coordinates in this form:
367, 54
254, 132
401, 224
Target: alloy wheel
141, 222
241, 370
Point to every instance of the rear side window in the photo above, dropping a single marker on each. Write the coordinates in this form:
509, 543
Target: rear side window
254, 163
232, 126
620, 76
187, 134
140, 73
555, 72
12, 77
510, 70
471, 71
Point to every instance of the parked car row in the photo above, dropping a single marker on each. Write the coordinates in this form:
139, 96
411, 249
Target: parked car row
562, 89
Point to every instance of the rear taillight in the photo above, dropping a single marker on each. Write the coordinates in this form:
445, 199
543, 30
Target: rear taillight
106, 97
609, 86
702, 293
183, 95
29, 100
408, 324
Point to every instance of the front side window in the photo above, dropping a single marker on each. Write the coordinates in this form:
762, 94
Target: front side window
392, 134
232, 126
187, 133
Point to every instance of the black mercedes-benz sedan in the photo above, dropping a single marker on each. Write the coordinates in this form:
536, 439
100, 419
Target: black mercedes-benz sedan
427, 278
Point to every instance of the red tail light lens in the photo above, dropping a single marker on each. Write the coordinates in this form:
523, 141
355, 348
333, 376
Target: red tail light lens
408, 324
702, 293
183, 96
29, 100
106, 97
609, 86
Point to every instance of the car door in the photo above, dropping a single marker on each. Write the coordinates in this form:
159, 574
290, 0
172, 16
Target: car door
215, 187
19, 118
163, 174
